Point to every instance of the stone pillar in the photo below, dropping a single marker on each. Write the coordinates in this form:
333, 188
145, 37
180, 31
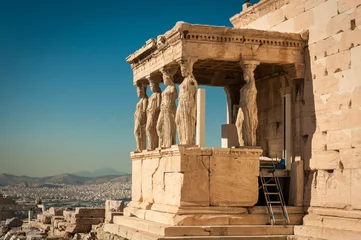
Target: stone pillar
186, 114
166, 127
229, 105
30, 215
229, 131
153, 110
140, 117
201, 108
286, 95
247, 117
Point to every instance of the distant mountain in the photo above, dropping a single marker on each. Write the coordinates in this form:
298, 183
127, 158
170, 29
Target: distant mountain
100, 172
69, 179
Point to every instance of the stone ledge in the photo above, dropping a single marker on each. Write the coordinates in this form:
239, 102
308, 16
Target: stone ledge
219, 230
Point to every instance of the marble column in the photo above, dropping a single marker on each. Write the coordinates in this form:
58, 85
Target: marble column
166, 127
247, 117
153, 110
140, 117
186, 115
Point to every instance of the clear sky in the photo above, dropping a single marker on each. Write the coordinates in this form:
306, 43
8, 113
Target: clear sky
66, 94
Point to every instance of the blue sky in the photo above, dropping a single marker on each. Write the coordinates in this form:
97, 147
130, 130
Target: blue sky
66, 94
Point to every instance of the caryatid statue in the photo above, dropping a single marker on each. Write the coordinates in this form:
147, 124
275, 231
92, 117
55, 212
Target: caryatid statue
140, 117
153, 111
247, 117
186, 115
166, 127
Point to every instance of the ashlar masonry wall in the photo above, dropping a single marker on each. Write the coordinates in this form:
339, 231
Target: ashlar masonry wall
330, 116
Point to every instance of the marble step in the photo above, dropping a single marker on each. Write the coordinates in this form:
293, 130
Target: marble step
218, 230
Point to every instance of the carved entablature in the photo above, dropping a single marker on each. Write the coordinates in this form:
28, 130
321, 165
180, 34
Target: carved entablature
210, 44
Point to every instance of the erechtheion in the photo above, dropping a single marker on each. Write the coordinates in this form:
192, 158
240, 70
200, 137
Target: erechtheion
291, 72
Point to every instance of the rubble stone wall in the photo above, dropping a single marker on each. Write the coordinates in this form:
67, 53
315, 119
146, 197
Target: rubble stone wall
331, 110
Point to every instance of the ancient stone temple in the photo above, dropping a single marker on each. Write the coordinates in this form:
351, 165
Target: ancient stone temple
290, 71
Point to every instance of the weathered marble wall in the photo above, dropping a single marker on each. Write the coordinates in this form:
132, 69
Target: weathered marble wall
270, 123
330, 116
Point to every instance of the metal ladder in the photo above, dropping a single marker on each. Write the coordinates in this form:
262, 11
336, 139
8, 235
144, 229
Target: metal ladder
277, 193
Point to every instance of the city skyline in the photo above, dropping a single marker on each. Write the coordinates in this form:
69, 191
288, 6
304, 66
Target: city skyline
66, 94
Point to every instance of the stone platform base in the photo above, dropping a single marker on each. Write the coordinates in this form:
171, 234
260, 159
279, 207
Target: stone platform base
331, 224
209, 216
133, 228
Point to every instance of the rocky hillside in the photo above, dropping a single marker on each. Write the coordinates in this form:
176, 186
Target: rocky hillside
68, 179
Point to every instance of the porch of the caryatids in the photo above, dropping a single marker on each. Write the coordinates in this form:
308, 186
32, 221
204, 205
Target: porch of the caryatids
153, 111
247, 117
140, 117
186, 114
166, 127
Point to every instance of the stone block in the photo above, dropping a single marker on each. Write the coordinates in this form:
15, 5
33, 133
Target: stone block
263, 219
233, 181
294, 8
159, 217
318, 68
338, 101
76, 228
296, 184
87, 221
201, 220
331, 188
44, 218
136, 180
317, 142
355, 189
350, 118
356, 97
131, 211
196, 170
309, 4
332, 222
173, 182
304, 21
276, 17
338, 139
325, 84
338, 23
325, 159
149, 166
286, 26
326, 47
350, 158
356, 15
56, 211
114, 206
260, 23
57, 218
356, 138
350, 39
338, 62
91, 212
344, 5
327, 121
332, 212
323, 14
325, 233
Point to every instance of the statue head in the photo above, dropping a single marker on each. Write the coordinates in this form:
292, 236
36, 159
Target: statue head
154, 86
141, 89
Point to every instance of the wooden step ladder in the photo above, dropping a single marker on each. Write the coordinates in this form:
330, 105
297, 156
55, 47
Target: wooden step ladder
275, 194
